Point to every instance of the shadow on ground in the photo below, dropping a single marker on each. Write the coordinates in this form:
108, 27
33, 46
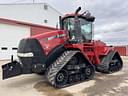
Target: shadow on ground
49, 90
109, 84
104, 84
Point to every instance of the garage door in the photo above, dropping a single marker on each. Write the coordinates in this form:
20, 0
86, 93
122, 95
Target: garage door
10, 35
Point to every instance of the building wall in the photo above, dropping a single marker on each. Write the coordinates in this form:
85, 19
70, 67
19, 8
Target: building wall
32, 13
11, 32
122, 50
127, 50
10, 36
39, 30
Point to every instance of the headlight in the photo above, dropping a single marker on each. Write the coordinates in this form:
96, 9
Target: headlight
30, 54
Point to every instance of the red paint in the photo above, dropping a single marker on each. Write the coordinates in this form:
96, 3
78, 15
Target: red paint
48, 45
123, 50
38, 30
35, 28
8, 21
93, 51
127, 50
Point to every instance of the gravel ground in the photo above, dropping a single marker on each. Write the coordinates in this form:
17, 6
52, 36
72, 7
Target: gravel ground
34, 85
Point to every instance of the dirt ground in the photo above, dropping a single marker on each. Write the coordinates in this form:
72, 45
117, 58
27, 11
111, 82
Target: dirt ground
34, 85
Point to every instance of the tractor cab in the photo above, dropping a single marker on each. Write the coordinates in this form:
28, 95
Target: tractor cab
78, 26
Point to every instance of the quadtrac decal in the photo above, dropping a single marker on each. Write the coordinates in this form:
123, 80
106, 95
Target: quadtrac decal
56, 36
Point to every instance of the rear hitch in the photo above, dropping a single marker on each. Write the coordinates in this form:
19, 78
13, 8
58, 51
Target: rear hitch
11, 69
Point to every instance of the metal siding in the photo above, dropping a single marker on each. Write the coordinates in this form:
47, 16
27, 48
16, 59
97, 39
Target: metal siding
10, 35
127, 50
121, 50
33, 13
39, 30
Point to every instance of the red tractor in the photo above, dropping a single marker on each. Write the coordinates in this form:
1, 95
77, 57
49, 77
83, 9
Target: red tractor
65, 56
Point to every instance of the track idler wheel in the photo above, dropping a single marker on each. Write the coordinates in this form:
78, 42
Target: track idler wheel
89, 71
61, 78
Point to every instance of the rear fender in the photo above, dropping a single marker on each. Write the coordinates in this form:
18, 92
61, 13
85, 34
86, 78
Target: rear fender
54, 54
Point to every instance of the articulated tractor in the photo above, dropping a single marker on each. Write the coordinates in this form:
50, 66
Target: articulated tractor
65, 56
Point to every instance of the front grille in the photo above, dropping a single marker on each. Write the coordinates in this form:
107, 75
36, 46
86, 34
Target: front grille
31, 46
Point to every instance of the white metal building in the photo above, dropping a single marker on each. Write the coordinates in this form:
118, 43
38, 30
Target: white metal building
10, 36
11, 32
13, 27
37, 13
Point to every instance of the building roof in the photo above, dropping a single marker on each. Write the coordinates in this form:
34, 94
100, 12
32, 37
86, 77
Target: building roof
15, 22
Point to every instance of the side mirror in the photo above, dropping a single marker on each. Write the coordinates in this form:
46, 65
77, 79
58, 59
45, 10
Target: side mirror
60, 22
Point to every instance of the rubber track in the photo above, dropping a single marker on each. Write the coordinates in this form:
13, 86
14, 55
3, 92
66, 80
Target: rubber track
58, 65
104, 66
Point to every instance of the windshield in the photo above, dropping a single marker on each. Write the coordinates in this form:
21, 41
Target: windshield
85, 27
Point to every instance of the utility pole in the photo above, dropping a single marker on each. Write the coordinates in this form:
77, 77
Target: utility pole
33, 1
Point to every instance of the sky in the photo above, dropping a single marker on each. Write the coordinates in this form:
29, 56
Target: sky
111, 24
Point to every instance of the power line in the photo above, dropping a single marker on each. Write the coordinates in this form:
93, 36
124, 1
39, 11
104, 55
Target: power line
19, 1
33, 1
